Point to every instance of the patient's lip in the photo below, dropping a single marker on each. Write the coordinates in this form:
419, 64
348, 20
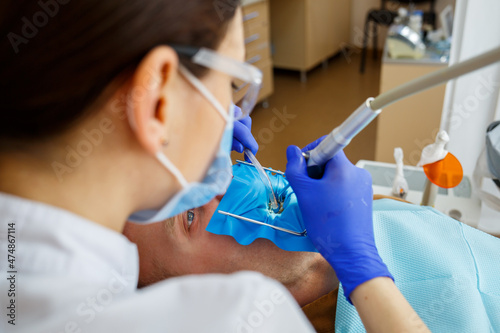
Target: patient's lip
219, 197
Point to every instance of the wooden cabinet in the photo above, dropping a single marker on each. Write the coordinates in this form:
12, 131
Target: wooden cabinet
306, 32
257, 42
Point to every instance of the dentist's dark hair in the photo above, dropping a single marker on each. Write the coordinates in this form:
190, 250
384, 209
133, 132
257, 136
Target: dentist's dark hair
58, 56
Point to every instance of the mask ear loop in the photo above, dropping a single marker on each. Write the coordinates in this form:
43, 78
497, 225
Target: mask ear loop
211, 99
160, 156
172, 168
205, 92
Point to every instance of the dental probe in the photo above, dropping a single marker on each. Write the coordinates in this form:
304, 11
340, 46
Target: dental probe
268, 169
342, 135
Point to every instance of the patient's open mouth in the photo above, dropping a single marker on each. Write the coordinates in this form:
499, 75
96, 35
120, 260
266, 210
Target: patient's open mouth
280, 200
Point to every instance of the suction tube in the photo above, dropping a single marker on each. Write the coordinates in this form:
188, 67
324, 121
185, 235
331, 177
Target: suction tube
273, 203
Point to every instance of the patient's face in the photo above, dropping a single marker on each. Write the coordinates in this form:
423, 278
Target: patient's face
169, 249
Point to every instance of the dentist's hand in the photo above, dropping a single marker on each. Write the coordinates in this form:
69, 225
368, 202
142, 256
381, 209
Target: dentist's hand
337, 212
242, 135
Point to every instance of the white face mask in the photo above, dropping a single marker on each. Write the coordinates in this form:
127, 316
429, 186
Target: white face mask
215, 182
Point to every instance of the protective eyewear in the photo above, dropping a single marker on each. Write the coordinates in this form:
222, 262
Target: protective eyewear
247, 78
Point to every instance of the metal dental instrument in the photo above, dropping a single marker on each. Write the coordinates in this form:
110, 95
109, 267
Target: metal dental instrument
268, 169
303, 233
273, 203
357, 121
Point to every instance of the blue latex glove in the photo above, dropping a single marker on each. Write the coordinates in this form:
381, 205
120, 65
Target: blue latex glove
242, 136
337, 213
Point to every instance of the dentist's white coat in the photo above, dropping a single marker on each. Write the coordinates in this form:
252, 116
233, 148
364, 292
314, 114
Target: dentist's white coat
74, 275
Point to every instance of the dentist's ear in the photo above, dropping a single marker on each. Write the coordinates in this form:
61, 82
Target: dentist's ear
146, 105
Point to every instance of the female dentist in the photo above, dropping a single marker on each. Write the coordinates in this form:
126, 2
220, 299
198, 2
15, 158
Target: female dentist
122, 109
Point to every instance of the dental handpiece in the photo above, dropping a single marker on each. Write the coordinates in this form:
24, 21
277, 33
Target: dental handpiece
339, 138
343, 134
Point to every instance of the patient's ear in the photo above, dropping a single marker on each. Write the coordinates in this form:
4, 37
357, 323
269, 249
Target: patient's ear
147, 98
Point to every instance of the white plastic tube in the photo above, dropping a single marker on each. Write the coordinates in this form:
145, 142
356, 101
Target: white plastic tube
342, 135
265, 179
435, 78
400, 186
